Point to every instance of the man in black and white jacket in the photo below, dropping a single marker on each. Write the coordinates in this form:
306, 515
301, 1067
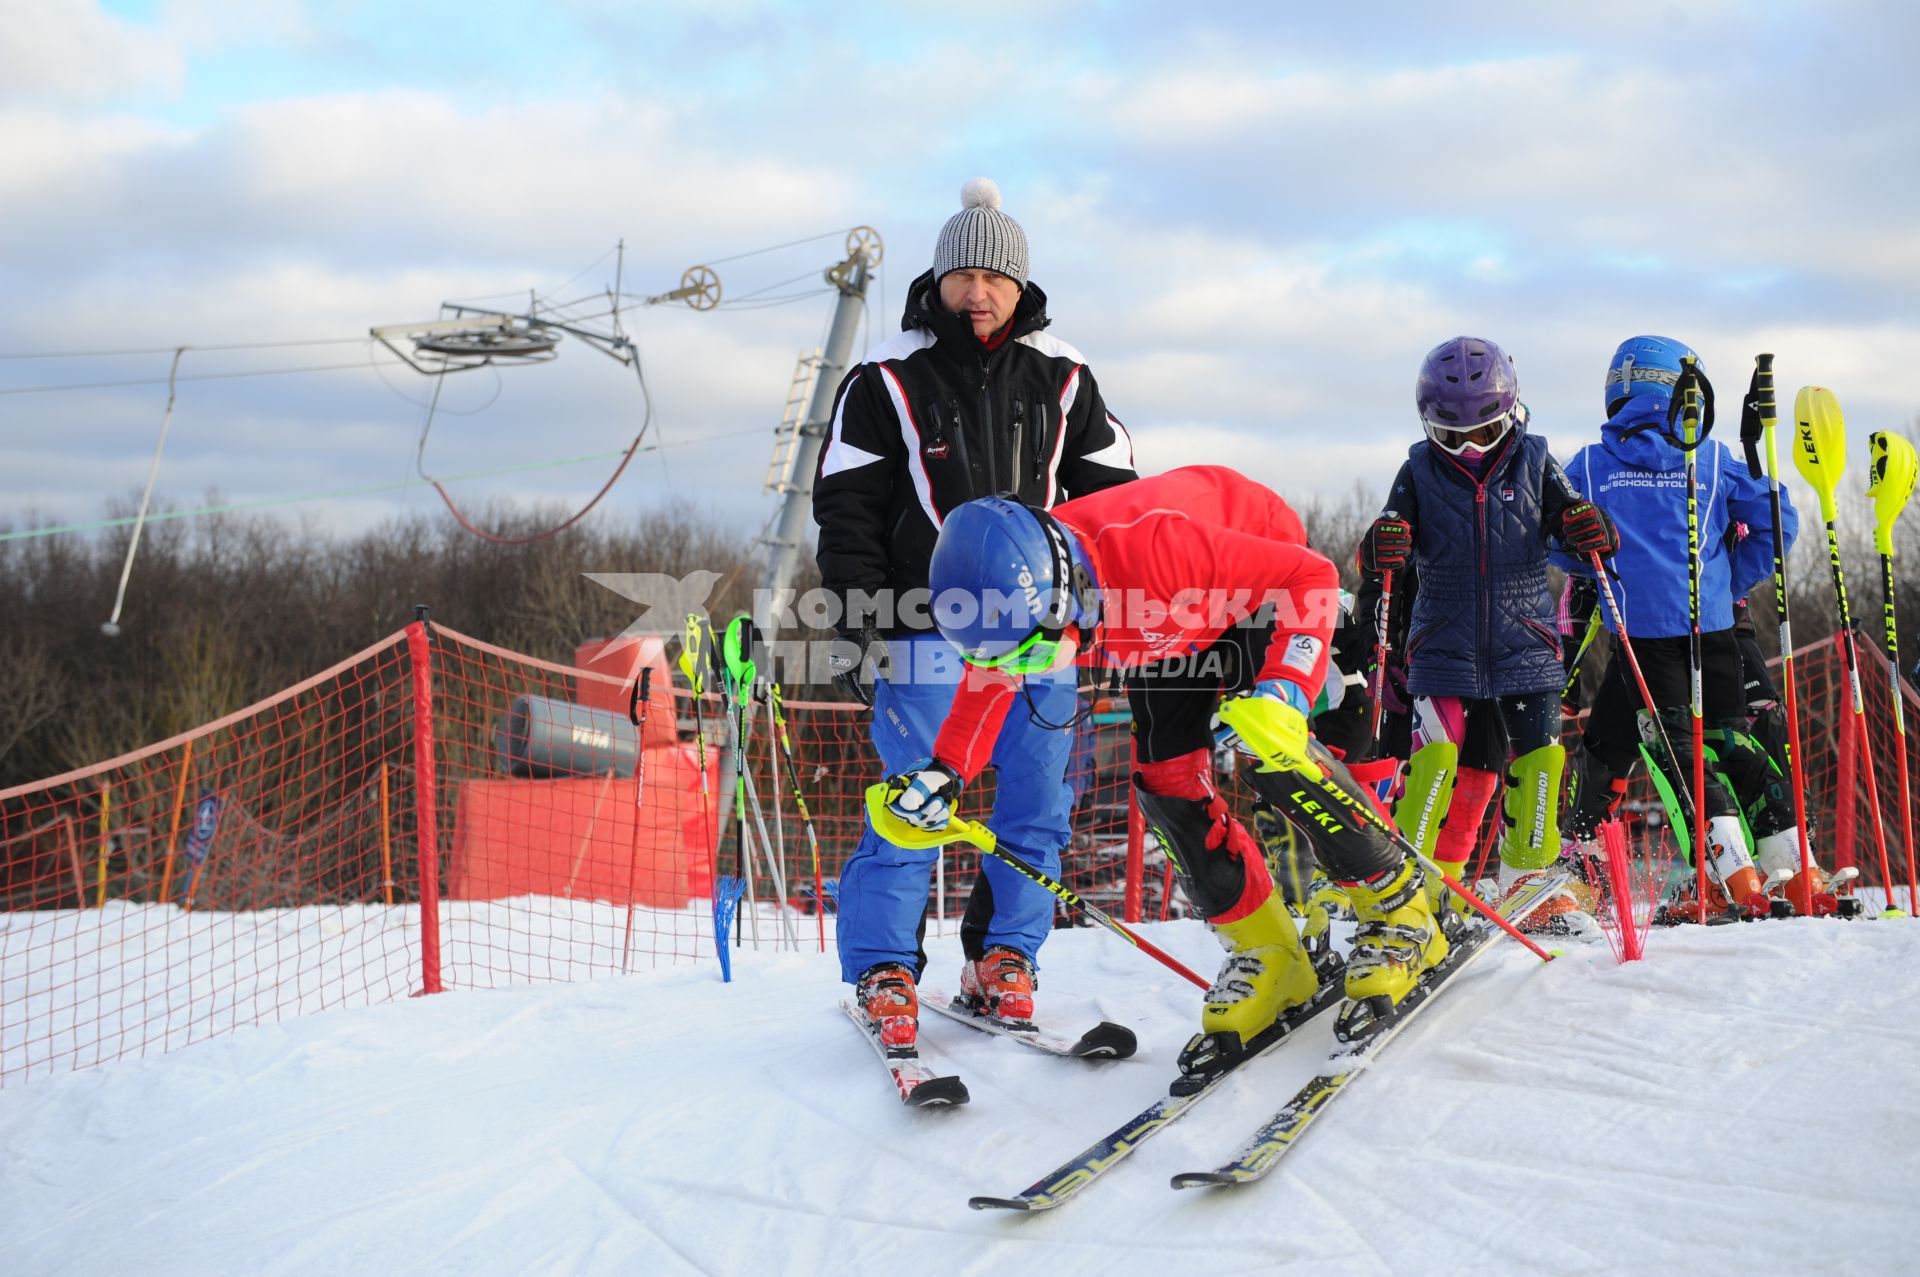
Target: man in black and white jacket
971, 399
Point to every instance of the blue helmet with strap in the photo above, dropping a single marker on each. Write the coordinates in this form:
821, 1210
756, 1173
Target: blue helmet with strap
1644, 366
1007, 580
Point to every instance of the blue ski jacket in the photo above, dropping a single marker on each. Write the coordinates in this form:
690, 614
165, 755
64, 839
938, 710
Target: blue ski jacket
1484, 620
1639, 478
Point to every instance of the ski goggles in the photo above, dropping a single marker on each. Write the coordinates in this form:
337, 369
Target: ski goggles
1456, 438
1038, 653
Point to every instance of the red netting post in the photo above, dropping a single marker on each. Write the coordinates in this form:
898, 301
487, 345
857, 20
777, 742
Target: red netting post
1136, 855
426, 798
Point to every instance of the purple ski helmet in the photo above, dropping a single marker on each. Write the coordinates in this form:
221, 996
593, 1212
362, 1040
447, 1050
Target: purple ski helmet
1465, 384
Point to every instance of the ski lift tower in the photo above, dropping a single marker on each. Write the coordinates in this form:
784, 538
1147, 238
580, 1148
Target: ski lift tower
797, 447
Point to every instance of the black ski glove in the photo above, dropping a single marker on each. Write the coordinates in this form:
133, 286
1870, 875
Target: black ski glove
1388, 544
1586, 529
847, 658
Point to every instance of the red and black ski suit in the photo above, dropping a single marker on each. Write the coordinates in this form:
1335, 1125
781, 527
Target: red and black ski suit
1207, 587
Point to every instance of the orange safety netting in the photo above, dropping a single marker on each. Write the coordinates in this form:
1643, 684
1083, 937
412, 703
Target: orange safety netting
284, 859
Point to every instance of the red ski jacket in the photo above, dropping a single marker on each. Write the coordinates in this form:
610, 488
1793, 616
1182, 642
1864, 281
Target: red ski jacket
1180, 558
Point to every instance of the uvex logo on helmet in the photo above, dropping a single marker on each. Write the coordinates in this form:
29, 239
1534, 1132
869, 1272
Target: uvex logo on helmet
1029, 589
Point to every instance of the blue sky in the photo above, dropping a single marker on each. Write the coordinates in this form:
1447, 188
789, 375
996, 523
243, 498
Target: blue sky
1253, 222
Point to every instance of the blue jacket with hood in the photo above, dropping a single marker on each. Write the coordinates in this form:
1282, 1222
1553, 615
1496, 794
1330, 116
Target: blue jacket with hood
1639, 478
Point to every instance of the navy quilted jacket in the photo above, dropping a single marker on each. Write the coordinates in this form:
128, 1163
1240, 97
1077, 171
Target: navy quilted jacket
1483, 623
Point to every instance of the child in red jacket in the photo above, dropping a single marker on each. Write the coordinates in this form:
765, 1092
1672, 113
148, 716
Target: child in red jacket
1198, 585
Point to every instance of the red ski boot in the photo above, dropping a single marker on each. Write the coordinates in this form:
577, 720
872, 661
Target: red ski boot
1000, 985
1808, 893
892, 1005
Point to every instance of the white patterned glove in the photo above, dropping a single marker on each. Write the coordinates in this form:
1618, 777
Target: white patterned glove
924, 794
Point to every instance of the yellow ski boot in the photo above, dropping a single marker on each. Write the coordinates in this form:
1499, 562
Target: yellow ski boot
1266, 972
1397, 941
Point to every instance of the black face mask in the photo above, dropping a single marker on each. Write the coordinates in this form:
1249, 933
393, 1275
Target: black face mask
1670, 429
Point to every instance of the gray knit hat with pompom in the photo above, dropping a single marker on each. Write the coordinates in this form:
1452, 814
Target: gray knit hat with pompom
981, 236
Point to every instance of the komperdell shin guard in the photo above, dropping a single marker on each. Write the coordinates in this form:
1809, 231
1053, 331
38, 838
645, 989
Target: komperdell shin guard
1429, 790
1532, 808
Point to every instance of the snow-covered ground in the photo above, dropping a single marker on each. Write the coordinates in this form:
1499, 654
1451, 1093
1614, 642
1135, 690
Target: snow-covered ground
1741, 1102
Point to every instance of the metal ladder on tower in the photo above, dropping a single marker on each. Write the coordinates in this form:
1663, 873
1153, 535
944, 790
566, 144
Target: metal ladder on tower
786, 440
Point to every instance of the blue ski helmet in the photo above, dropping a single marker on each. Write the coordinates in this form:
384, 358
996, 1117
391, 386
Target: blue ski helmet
1466, 383
1007, 580
1644, 366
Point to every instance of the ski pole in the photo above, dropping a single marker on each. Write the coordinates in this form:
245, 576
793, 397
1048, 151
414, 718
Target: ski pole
1639, 679
1271, 753
693, 664
1889, 485
743, 682
1633, 662
902, 834
1758, 417
800, 802
1380, 648
729, 673
1820, 440
638, 703
1687, 399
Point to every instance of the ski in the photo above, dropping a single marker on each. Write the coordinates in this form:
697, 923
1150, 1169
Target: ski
1104, 1041
1074, 1174
918, 1084
1676, 912
1268, 1144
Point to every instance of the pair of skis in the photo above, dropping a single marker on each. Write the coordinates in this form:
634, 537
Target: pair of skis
921, 1086
1263, 1149
1673, 913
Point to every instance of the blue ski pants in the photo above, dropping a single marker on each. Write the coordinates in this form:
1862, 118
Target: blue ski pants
883, 887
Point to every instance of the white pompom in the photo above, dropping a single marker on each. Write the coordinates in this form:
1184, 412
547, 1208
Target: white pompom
980, 192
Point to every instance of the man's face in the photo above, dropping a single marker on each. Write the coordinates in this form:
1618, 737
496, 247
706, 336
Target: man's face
985, 298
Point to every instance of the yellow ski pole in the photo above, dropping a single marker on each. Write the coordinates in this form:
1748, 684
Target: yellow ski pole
1820, 455
1890, 483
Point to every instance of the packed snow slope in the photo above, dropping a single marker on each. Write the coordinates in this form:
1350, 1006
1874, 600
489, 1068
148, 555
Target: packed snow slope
1740, 1102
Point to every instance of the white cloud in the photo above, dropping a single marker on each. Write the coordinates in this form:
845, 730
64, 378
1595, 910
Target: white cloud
70, 51
1253, 251
58, 161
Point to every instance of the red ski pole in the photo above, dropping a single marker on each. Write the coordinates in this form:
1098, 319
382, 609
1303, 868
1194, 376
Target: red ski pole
1640, 681
1380, 649
1820, 436
1759, 417
1894, 471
